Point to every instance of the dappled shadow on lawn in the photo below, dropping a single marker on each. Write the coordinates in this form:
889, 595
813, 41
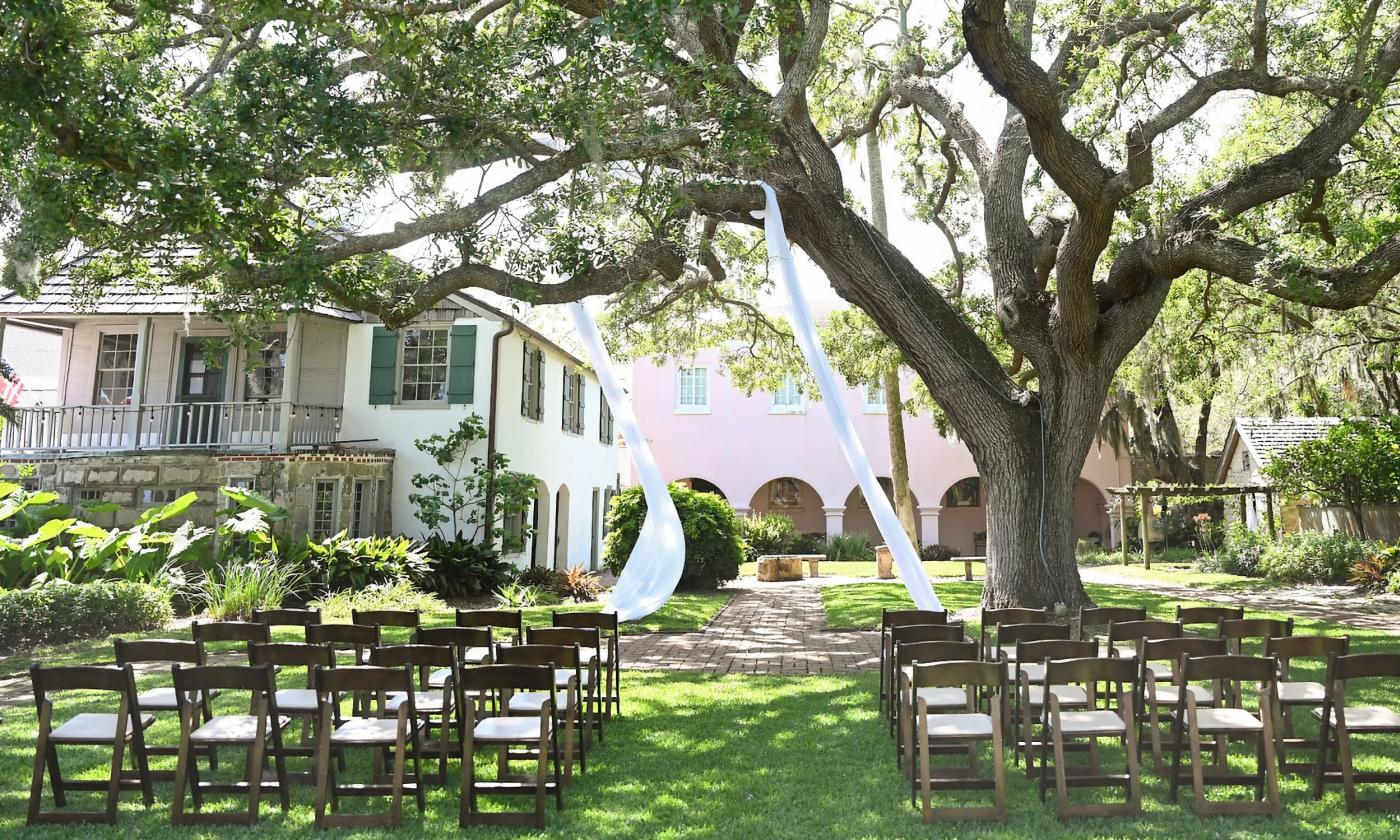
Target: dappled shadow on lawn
858, 606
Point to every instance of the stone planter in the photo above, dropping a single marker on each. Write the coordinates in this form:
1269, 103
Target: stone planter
779, 567
884, 562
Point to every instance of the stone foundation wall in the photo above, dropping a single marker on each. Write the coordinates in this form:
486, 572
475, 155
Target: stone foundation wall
138, 480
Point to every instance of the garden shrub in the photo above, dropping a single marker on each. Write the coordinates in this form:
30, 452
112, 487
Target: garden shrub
401, 595
460, 568
937, 553
767, 533
808, 544
342, 562
66, 612
1375, 572
580, 585
713, 545
845, 548
1241, 552
232, 592
542, 577
1314, 557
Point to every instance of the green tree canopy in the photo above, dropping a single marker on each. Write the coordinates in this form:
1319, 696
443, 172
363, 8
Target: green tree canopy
1357, 463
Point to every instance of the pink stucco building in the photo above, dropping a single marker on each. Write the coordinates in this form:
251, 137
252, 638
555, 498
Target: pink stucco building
776, 452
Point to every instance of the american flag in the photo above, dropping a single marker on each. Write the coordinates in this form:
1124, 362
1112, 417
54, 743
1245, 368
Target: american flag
10, 384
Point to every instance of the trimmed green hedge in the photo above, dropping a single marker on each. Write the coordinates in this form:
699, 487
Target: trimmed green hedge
69, 612
713, 547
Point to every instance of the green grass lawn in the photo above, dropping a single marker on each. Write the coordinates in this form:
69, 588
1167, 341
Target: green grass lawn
1186, 574
866, 568
719, 757
685, 612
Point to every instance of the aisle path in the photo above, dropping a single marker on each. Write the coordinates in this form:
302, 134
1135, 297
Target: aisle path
770, 628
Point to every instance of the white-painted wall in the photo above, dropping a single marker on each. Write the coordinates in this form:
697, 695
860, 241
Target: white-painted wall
580, 463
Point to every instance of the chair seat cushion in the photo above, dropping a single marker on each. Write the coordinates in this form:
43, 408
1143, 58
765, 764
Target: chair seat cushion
528, 701
1091, 723
423, 701
163, 699
232, 728
1169, 695
1034, 671
1162, 671
93, 727
1227, 720
1365, 717
1301, 692
1070, 695
943, 698
563, 675
297, 700
515, 730
359, 730
964, 725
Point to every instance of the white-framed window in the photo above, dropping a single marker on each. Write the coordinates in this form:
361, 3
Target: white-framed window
363, 520
787, 399
693, 390
423, 365
116, 369
157, 496
325, 508
874, 399
267, 367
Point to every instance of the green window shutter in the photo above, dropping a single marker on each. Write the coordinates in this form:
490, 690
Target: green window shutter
461, 364
580, 383
527, 385
538, 402
566, 422
383, 367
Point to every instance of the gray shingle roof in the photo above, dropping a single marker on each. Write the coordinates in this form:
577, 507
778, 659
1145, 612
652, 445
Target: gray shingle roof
1266, 436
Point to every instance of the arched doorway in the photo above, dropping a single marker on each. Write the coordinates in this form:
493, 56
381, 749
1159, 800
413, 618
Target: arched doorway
793, 498
962, 524
1090, 513
541, 520
561, 529
858, 518
700, 485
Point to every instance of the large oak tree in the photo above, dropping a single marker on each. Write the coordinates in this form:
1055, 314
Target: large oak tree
555, 150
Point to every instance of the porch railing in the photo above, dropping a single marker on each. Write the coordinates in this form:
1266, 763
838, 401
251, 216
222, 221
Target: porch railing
221, 425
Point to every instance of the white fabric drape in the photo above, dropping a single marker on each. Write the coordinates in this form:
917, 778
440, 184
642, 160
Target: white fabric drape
655, 565
905, 557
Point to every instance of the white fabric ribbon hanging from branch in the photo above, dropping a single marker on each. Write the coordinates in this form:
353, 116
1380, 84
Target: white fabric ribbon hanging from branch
906, 558
654, 567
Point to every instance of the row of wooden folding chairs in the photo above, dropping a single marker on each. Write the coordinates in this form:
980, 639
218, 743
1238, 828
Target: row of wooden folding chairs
438, 655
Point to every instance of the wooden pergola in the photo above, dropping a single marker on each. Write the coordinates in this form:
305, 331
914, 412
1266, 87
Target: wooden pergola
1144, 493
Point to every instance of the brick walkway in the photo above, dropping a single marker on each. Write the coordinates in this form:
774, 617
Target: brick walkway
772, 628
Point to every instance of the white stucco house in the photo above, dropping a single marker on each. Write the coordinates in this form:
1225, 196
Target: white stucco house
320, 412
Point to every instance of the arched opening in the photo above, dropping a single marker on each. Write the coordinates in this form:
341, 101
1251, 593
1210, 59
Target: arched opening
541, 520
1090, 513
700, 485
858, 518
793, 498
561, 529
963, 521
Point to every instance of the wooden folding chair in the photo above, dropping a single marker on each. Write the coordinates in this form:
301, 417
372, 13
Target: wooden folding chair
1027, 668
1090, 617
387, 618
1338, 722
1125, 638
473, 644
568, 664
1228, 722
440, 707
1293, 694
589, 640
895, 618
88, 729
503, 733
611, 659
375, 730
297, 703
992, 619
1160, 693
965, 729
512, 620
1209, 616
215, 632
350, 644
906, 653
288, 616
1092, 723
251, 731
1237, 631
902, 633
164, 699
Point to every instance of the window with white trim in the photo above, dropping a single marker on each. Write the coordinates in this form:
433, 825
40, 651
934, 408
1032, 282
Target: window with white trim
363, 508
788, 398
692, 390
325, 508
423, 365
267, 367
874, 399
116, 369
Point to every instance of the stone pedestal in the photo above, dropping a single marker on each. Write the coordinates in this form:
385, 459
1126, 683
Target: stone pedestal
779, 567
884, 562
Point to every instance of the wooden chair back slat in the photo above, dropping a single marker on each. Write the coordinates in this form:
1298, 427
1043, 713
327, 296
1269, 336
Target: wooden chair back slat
417, 656
1261, 669
508, 678
959, 674
1359, 666
386, 618
229, 631
454, 636
288, 616
906, 653
291, 654
1008, 634
1207, 615
893, 618
901, 633
589, 637
226, 677
505, 619
1136, 631
158, 650
1039, 650
343, 634
606, 622
373, 678
47, 680
554, 656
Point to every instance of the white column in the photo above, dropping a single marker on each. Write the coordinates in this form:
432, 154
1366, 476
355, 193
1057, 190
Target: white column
835, 520
1113, 536
291, 380
138, 378
928, 522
